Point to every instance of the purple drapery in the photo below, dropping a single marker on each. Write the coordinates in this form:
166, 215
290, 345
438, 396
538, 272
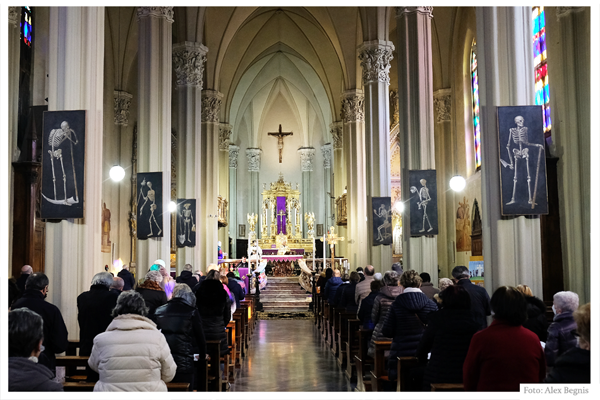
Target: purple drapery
281, 215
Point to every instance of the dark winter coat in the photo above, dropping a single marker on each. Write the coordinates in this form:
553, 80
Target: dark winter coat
560, 339
213, 304
429, 289
188, 278
366, 307
331, 288
25, 375
94, 314
381, 306
128, 279
536, 318
447, 338
339, 293
21, 282
347, 298
405, 325
480, 302
573, 366
181, 324
153, 295
55, 331
236, 289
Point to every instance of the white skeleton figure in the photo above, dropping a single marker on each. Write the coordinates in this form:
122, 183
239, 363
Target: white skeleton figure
385, 214
151, 195
188, 219
424, 198
55, 139
520, 138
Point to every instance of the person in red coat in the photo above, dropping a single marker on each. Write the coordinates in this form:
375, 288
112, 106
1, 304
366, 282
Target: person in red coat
505, 354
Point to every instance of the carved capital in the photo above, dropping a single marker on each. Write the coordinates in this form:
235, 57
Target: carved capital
327, 150
307, 158
14, 16
394, 111
156, 12
188, 63
224, 136
442, 102
253, 155
353, 106
563, 11
211, 105
233, 155
336, 133
122, 104
375, 57
423, 10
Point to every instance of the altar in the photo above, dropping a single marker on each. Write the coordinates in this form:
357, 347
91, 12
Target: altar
283, 265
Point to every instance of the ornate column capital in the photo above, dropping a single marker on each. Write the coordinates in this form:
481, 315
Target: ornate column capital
353, 106
442, 102
188, 62
156, 12
211, 105
253, 155
14, 16
224, 136
375, 57
423, 10
233, 155
122, 104
307, 158
563, 11
335, 128
327, 150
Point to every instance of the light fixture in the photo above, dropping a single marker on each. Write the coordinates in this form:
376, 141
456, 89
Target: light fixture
457, 183
399, 207
117, 173
172, 206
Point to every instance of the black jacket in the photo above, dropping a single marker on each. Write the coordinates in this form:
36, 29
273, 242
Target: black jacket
213, 304
366, 307
153, 298
26, 376
447, 338
571, 367
237, 291
337, 299
21, 282
55, 331
188, 278
347, 300
181, 324
536, 318
127, 278
560, 339
94, 309
480, 302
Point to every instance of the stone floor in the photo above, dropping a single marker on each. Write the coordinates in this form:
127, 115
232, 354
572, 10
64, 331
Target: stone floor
289, 356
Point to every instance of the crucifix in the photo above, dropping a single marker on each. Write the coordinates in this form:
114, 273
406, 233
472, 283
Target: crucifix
281, 215
332, 238
280, 135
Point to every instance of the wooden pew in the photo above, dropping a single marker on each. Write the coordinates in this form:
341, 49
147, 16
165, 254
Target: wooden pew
351, 345
232, 351
342, 336
362, 361
72, 348
334, 318
404, 366
327, 322
245, 328
447, 387
379, 374
239, 333
75, 367
215, 377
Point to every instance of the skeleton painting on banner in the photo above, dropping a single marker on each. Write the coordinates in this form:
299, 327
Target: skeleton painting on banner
150, 205
522, 160
382, 221
63, 160
423, 202
186, 222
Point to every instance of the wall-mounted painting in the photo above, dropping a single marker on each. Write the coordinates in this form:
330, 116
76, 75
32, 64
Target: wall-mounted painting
319, 230
423, 202
242, 230
381, 221
522, 161
63, 161
186, 222
149, 205
463, 226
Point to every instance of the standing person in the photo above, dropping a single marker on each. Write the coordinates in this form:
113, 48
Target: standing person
26, 271
55, 331
168, 283
363, 288
332, 286
117, 285
381, 306
427, 287
361, 273
187, 277
235, 288
128, 278
347, 301
213, 304
536, 314
560, 332
152, 293
243, 263
480, 300
132, 355
504, 355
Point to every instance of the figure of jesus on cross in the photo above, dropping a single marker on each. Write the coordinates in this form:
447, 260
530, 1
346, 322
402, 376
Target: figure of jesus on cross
332, 238
280, 135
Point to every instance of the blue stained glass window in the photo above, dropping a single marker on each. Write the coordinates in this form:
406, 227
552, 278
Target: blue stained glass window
475, 102
542, 88
26, 26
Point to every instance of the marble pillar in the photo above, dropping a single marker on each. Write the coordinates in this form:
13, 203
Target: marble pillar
415, 103
73, 246
375, 57
328, 192
339, 183
233, 222
155, 26
253, 156
224, 135
511, 246
307, 161
354, 159
188, 64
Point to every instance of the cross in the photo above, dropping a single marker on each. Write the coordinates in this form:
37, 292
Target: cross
332, 238
280, 135
281, 215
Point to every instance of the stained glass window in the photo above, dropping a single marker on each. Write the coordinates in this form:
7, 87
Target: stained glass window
542, 89
475, 98
26, 26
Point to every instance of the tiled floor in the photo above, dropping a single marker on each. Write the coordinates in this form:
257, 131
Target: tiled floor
289, 356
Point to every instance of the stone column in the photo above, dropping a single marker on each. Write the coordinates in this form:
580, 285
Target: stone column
328, 192
253, 155
73, 246
188, 64
155, 26
224, 136
209, 178
339, 183
354, 159
307, 160
375, 57
511, 246
233, 222
415, 101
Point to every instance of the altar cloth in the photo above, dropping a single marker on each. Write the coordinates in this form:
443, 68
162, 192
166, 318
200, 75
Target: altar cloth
276, 257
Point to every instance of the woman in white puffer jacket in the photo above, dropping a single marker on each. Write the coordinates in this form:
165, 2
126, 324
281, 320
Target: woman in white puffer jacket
132, 355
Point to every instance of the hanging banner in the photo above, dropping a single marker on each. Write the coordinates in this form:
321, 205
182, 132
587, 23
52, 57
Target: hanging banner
381, 221
423, 202
149, 205
281, 215
186, 222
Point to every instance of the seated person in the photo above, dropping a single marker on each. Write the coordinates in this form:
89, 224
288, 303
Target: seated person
560, 337
366, 305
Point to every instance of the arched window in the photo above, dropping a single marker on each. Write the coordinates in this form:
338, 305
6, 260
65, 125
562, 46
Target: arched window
542, 89
475, 101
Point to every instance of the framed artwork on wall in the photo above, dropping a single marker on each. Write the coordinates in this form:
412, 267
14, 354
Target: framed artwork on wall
319, 230
242, 230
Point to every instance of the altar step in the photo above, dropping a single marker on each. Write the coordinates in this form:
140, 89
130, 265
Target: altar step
284, 294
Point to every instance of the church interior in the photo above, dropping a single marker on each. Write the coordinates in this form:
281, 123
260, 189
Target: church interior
288, 124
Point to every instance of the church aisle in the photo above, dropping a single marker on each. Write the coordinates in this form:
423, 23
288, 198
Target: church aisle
289, 356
